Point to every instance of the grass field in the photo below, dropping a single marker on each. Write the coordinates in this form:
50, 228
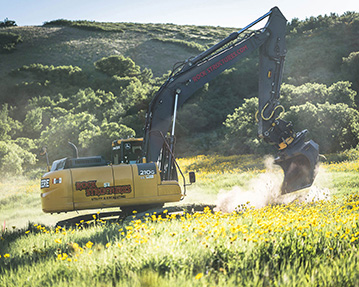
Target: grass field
297, 244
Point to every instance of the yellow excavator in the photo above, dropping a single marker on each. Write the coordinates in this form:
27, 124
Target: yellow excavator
143, 172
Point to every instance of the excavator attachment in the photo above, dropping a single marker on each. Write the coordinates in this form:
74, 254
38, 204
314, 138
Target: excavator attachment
298, 161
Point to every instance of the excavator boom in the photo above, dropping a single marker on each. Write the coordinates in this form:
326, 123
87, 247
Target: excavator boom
297, 157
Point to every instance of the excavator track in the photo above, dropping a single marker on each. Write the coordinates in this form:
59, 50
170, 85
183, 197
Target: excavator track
129, 215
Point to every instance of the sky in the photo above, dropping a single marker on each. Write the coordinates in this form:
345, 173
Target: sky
225, 13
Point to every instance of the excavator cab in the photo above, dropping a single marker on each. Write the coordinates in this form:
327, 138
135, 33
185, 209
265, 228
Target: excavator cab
127, 150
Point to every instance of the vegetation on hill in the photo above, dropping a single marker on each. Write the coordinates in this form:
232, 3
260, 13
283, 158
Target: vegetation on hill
7, 23
8, 41
90, 83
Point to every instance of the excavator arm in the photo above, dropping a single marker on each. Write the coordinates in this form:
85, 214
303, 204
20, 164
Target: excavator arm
297, 157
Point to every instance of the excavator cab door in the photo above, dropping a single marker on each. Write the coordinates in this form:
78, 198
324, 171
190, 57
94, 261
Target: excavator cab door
126, 151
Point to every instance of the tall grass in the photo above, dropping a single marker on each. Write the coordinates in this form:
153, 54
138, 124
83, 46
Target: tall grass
299, 244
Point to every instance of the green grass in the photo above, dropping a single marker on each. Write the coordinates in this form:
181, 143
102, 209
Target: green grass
290, 245
346, 182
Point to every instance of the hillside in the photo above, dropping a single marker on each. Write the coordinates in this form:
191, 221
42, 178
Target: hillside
54, 88
64, 45
315, 45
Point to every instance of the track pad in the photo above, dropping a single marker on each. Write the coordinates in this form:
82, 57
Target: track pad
298, 162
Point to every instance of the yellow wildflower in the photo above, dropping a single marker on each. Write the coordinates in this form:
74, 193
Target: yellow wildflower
199, 276
233, 238
89, 245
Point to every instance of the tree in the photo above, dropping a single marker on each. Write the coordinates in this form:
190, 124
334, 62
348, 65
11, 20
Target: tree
298, 95
13, 158
33, 123
242, 135
8, 126
342, 92
69, 127
339, 92
333, 126
97, 102
135, 95
7, 23
85, 131
100, 142
350, 68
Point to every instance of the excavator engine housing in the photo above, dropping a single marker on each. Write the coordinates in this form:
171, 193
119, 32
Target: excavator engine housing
92, 183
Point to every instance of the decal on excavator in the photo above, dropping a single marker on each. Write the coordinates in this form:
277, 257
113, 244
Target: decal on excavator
222, 61
57, 180
91, 188
146, 169
45, 183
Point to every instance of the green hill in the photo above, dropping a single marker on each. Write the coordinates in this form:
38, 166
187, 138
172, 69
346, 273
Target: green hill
151, 46
52, 91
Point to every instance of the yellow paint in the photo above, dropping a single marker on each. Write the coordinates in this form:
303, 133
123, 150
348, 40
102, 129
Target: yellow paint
106, 186
58, 197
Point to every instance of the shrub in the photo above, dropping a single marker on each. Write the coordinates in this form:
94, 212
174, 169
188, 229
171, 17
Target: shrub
56, 74
58, 22
7, 23
192, 46
88, 25
8, 41
117, 66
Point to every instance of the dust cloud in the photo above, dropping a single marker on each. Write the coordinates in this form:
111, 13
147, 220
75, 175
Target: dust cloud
265, 190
